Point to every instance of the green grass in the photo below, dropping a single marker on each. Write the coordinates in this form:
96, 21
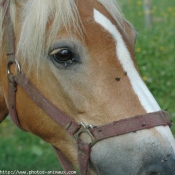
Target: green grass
24, 151
155, 54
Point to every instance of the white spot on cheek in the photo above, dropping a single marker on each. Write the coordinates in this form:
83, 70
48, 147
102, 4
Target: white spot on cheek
145, 97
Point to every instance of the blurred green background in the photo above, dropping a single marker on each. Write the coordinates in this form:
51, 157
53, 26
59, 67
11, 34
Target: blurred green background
155, 55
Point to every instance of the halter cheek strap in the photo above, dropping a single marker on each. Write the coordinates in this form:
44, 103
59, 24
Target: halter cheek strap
96, 133
2, 2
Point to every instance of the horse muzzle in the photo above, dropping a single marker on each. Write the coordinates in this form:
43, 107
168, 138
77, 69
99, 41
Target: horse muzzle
137, 153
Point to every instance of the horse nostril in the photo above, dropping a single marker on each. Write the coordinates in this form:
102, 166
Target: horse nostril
154, 170
154, 173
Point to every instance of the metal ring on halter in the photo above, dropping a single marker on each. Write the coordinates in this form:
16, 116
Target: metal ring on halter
85, 129
13, 62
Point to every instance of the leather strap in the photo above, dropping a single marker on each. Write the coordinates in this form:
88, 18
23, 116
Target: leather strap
10, 52
140, 122
2, 3
84, 151
10, 35
50, 109
12, 100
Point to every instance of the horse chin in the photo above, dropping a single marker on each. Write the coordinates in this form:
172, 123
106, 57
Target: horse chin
135, 153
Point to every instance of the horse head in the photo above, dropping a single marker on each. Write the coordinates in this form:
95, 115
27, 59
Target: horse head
80, 56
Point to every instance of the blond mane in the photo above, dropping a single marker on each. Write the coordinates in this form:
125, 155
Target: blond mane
35, 38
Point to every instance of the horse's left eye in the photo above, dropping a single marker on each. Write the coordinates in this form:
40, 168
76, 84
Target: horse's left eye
63, 55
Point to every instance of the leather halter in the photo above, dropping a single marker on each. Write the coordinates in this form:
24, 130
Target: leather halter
96, 133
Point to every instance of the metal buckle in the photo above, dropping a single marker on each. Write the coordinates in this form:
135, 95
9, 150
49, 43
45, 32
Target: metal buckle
85, 129
13, 62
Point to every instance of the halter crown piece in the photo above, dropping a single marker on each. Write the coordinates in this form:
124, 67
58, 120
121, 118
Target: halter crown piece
96, 133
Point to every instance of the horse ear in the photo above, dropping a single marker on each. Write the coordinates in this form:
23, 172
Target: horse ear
3, 109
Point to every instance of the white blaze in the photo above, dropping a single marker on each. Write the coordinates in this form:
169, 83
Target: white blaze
145, 97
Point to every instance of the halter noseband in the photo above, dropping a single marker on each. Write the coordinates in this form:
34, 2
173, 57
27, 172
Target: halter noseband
96, 133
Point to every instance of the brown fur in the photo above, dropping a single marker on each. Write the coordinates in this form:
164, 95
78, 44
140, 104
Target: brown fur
91, 94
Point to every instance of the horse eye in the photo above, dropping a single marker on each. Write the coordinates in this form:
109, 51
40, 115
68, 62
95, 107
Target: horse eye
62, 55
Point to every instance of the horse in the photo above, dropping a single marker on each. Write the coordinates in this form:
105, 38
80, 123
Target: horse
68, 75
